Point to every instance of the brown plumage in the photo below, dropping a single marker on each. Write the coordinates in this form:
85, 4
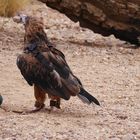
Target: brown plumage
45, 67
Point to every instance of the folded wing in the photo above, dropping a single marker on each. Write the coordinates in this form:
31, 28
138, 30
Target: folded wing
50, 71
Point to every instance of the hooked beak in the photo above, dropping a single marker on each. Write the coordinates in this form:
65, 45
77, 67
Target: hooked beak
21, 18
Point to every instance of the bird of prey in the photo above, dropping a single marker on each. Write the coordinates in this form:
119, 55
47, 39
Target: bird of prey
44, 67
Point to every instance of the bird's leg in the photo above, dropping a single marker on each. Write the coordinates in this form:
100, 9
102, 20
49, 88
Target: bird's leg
40, 96
54, 102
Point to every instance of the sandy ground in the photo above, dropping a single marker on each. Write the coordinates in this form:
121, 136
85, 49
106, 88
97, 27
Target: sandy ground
108, 69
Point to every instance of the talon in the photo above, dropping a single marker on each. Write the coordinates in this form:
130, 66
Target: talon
49, 109
34, 110
38, 107
55, 104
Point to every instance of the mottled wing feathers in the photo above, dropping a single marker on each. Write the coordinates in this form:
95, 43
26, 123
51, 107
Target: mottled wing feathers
60, 65
51, 72
57, 52
24, 69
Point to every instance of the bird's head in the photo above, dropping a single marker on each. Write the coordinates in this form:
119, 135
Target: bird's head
34, 27
21, 18
32, 23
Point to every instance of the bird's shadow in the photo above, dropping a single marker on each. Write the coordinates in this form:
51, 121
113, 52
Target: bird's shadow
64, 112
69, 112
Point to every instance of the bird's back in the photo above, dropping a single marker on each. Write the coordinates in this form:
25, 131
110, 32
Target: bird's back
35, 72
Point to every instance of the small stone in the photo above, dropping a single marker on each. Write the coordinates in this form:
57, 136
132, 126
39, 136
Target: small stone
1, 100
129, 137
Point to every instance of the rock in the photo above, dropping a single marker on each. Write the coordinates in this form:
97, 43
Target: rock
121, 17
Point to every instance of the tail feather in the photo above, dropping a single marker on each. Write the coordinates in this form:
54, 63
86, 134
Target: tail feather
87, 98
